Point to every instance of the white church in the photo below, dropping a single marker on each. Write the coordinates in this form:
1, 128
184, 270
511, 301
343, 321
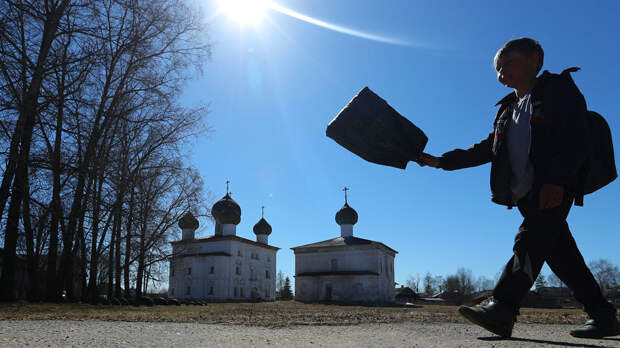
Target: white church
346, 268
223, 267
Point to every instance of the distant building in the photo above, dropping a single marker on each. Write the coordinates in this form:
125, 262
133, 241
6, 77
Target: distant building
223, 267
613, 295
405, 294
346, 268
550, 297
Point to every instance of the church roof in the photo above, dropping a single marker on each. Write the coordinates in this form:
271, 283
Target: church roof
262, 227
346, 215
188, 221
226, 211
343, 241
214, 238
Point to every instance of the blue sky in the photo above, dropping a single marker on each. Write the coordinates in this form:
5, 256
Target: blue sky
274, 86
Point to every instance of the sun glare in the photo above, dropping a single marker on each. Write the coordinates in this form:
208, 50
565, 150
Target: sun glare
245, 12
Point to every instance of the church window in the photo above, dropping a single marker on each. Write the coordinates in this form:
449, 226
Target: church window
241, 292
268, 259
239, 252
267, 274
236, 292
334, 264
210, 290
211, 270
189, 290
252, 273
172, 291
189, 270
238, 270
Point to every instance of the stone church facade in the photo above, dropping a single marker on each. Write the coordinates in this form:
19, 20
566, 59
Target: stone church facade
346, 268
223, 267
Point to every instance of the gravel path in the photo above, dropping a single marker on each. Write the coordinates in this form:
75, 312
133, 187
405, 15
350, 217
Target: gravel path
61, 333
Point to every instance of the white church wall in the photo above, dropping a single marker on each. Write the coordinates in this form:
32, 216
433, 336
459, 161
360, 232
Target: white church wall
336, 259
347, 288
256, 267
242, 275
386, 276
337, 288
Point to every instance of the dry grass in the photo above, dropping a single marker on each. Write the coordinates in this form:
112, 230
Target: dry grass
271, 314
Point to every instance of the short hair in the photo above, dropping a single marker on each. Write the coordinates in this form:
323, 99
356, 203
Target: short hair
523, 45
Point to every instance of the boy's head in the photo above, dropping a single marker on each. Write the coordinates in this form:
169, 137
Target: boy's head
518, 61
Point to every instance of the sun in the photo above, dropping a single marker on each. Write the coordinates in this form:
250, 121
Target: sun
245, 12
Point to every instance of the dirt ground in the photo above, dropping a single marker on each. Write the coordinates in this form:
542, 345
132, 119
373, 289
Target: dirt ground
96, 333
281, 324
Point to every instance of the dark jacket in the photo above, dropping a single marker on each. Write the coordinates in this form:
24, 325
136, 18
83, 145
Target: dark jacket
559, 133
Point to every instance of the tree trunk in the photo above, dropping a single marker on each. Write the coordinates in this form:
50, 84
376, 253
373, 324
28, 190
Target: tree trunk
128, 244
9, 172
31, 257
117, 256
94, 250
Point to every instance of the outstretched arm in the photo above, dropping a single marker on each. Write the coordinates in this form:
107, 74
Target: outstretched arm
476, 155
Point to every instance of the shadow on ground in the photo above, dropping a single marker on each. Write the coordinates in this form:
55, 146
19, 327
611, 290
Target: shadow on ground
556, 343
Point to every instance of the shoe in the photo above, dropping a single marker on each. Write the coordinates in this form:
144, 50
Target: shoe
494, 317
597, 329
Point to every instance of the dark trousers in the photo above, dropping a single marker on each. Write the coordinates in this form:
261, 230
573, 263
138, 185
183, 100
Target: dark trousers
544, 236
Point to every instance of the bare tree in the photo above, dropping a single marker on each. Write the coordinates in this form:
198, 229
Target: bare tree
89, 121
554, 281
540, 282
430, 286
606, 273
483, 283
279, 281
31, 77
459, 285
413, 282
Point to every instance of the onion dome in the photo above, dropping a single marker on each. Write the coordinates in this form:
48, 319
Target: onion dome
262, 227
346, 215
226, 211
188, 221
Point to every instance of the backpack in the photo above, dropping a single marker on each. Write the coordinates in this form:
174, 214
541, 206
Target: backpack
600, 166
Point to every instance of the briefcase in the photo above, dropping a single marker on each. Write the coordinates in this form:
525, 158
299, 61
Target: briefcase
370, 128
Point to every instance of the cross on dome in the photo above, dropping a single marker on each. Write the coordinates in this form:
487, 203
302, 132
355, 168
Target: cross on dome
345, 189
